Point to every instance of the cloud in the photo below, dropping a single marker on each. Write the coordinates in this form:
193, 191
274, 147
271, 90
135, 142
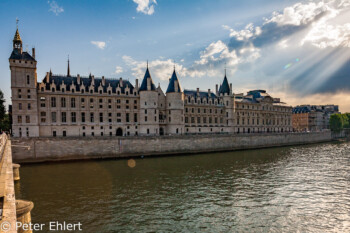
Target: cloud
145, 6
55, 8
99, 44
160, 68
118, 69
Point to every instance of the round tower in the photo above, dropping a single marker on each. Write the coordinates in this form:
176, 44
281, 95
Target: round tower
175, 107
149, 113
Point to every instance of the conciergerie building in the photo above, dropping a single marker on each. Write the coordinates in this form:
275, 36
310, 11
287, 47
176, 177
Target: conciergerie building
77, 106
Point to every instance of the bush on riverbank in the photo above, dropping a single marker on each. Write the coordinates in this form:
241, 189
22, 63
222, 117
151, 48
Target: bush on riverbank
338, 122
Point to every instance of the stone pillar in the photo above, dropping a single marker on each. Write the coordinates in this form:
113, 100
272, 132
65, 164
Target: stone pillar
16, 171
23, 209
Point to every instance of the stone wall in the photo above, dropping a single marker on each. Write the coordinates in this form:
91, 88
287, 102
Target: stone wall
57, 149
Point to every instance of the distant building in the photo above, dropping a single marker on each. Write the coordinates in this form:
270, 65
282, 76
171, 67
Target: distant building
312, 117
67, 105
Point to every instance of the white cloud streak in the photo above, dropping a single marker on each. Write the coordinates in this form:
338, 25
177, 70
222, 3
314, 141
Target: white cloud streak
55, 8
145, 6
99, 44
118, 69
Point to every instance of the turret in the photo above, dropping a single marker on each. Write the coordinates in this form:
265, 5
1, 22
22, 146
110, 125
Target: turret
174, 106
23, 91
149, 113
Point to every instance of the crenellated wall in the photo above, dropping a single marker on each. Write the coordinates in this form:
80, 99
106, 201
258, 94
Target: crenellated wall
58, 149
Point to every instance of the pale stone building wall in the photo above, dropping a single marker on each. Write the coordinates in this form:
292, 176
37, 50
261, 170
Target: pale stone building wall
75, 106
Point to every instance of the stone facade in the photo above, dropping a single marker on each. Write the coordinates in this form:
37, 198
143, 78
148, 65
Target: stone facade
73, 148
76, 106
312, 117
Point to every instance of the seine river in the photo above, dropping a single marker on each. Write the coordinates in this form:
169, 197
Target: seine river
287, 189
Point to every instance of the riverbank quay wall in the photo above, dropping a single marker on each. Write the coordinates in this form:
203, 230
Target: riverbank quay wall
7, 190
70, 148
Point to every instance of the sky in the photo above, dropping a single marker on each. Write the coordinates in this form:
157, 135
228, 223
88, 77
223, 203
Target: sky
296, 50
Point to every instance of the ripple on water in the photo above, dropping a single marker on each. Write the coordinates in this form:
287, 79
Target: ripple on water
304, 188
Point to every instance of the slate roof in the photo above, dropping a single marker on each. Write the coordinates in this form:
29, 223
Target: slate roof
171, 86
144, 82
202, 94
17, 55
114, 83
224, 87
301, 109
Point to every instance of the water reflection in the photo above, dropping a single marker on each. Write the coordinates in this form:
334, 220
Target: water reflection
282, 189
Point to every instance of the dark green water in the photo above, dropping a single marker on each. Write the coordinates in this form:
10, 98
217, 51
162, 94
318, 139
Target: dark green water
289, 189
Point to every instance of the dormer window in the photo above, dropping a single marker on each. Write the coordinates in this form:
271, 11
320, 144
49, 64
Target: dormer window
91, 91
53, 89
82, 90
101, 92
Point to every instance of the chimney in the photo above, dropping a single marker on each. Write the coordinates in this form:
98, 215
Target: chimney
217, 89
137, 84
230, 88
197, 90
47, 77
148, 84
92, 80
33, 53
78, 79
176, 86
103, 81
120, 82
209, 93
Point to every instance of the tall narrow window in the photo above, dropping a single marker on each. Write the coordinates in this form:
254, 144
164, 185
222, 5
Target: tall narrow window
27, 119
72, 102
63, 102
91, 117
101, 117
19, 119
53, 102
83, 117
28, 80
73, 117
53, 117
64, 117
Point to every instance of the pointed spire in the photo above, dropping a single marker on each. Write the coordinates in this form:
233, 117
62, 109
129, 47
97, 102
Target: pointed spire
50, 72
144, 86
17, 41
225, 69
68, 68
174, 84
224, 87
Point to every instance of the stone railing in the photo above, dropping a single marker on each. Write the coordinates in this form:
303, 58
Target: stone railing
14, 214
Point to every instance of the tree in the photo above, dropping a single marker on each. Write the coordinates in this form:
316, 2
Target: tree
4, 117
336, 122
2, 106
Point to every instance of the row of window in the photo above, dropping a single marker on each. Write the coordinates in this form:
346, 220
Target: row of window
84, 117
204, 110
91, 91
20, 94
267, 121
204, 120
63, 102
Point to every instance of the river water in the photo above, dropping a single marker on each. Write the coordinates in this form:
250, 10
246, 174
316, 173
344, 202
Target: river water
287, 189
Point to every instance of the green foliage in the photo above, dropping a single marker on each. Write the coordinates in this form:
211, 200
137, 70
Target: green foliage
338, 122
2, 106
4, 117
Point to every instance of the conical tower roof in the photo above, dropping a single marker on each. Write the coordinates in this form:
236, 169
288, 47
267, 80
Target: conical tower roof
144, 81
17, 37
225, 87
171, 86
